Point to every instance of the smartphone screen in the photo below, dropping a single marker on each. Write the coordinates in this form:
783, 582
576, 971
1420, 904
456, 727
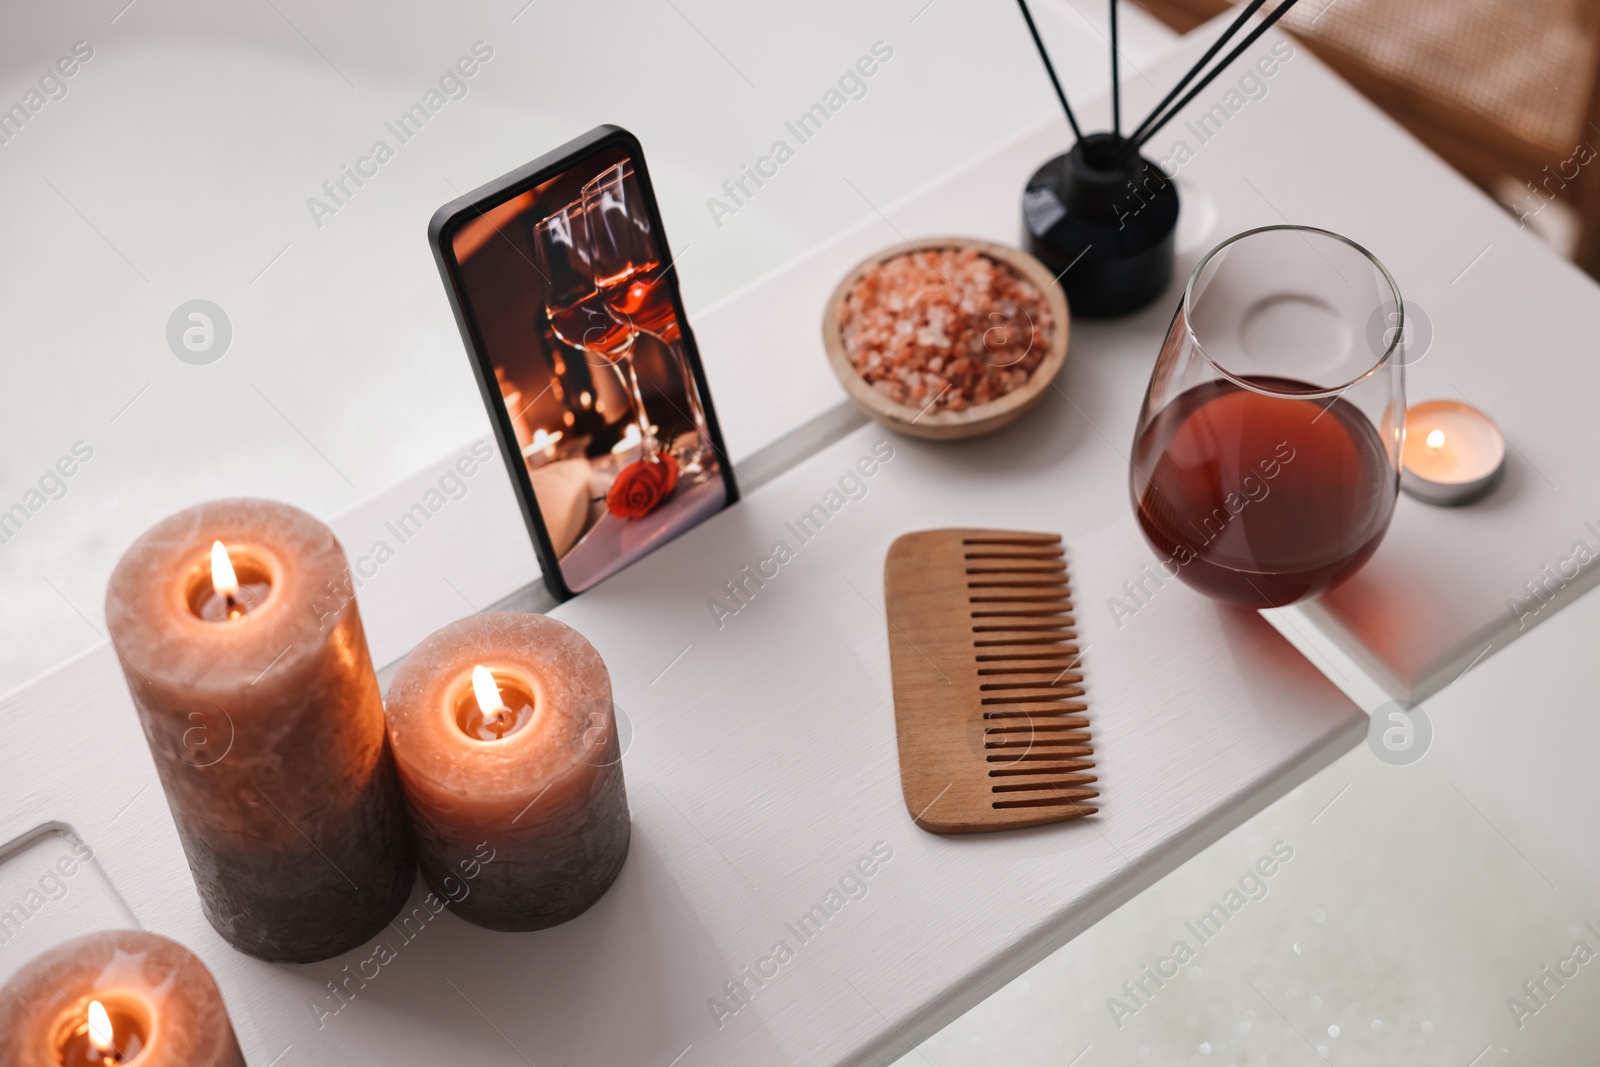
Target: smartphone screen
565, 293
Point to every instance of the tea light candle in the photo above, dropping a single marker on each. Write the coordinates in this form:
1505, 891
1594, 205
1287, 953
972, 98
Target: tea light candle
116, 997
542, 446
505, 736
1454, 453
236, 626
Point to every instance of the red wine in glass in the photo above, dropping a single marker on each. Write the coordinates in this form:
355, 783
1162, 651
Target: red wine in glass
588, 326
641, 298
1263, 499
1266, 461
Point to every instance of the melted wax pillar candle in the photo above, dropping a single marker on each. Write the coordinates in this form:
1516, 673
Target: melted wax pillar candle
237, 629
116, 997
505, 736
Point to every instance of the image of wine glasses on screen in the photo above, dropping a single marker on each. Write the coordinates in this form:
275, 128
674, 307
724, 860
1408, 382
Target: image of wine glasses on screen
631, 279
576, 306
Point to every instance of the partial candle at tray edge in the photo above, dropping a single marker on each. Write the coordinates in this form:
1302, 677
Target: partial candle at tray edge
980, 418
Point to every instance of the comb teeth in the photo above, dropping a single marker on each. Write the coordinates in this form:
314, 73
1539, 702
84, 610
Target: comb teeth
990, 703
1035, 739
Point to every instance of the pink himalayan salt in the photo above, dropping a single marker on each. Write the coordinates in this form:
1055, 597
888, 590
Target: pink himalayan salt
944, 329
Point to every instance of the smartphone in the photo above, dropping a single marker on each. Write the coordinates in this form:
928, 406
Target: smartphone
567, 298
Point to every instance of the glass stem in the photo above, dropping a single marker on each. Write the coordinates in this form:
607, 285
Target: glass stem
630, 382
696, 412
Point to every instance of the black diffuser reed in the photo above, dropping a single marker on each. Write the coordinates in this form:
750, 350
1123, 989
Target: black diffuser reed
1102, 216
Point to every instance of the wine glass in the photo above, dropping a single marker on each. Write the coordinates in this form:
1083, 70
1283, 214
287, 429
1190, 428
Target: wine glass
1266, 461
563, 247
631, 279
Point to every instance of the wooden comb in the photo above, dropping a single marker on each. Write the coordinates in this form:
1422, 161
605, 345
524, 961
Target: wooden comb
988, 687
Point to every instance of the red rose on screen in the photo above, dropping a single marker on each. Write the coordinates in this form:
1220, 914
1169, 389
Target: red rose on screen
642, 485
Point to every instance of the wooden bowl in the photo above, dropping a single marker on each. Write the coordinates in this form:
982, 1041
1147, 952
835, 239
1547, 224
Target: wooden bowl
980, 418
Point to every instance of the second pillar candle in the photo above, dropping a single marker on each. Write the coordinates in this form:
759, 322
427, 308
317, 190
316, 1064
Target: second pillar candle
505, 737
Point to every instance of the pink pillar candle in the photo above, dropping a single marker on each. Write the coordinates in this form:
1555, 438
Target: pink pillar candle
116, 997
505, 736
257, 696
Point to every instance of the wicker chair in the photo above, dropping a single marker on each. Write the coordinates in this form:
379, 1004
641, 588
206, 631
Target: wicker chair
1505, 90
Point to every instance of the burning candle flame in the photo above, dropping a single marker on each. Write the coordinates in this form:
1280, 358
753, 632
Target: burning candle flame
1436, 439
223, 580
631, 439
487, 692
100, 1028
543, 441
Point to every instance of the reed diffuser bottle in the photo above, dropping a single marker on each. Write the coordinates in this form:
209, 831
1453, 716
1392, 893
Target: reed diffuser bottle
1101, 215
